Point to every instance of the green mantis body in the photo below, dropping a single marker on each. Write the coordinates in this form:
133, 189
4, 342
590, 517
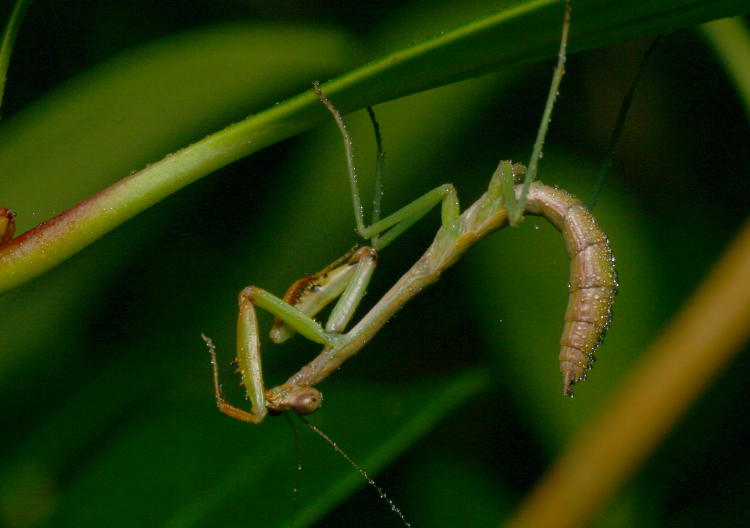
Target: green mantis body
592, 282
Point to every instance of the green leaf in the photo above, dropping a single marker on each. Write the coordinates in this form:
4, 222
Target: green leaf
524, 32
9, 37
731, 41
184, 471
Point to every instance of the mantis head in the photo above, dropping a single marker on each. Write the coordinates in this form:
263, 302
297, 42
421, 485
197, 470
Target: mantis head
302, 400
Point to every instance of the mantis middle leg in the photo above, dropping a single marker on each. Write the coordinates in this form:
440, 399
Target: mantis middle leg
384, 231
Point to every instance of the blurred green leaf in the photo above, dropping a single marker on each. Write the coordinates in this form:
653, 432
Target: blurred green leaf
149, 101
521, 33
730, 39
454, 484
184, 472
8, 39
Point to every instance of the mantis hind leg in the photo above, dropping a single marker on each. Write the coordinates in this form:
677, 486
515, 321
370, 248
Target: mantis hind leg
249, 365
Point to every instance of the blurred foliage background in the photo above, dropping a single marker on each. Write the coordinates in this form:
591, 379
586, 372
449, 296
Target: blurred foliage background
104, 381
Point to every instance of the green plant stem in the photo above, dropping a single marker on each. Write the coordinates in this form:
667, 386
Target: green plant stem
691, 351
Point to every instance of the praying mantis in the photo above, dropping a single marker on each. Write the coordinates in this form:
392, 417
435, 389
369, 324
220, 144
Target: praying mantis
592, 285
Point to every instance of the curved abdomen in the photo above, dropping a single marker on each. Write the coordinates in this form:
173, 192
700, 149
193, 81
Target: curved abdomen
593, 279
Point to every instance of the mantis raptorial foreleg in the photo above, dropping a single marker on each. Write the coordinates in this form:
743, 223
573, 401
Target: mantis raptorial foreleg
312, 293
347, 280
592, 282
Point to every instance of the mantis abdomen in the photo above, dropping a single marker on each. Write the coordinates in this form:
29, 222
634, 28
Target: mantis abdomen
593, 279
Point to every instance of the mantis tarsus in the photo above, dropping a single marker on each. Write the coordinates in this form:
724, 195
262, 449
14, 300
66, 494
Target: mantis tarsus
591, 288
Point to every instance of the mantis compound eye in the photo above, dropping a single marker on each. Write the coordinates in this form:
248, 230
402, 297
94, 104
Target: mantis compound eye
306, 401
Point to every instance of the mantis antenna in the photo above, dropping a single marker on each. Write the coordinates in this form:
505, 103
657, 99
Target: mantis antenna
381, 493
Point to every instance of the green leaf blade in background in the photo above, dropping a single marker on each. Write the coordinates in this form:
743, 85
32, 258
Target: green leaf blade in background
150, 101
8, 39
184, 473
505, 39
730, 39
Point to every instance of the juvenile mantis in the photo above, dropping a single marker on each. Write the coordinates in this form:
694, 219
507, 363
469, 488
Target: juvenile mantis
592, 284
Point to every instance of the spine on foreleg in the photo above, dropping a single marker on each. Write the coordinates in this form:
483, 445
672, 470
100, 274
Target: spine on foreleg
593, 279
